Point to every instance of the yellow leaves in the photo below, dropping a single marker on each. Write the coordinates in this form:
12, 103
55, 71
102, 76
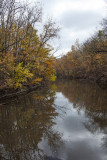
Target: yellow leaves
48, 63
98, 56
8, 59
8, 83
37, 80
99, 59
84, 60
52, 78
26, 59
73, 61
21, 75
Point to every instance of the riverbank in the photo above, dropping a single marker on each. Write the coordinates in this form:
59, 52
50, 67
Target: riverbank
6, 93
11, 93
100, 79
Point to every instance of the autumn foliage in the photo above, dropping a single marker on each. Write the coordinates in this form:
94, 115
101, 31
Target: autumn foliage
25, 54
87, 60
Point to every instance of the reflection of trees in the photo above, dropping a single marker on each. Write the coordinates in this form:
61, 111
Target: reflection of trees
92, 99
24, 122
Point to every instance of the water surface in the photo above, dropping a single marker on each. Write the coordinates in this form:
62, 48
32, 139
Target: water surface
67, 121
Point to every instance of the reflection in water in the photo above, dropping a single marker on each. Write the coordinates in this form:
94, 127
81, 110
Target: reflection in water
24, 123
89, 97
69, 124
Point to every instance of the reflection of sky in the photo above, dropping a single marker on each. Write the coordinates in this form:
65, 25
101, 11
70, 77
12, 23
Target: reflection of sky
78, 142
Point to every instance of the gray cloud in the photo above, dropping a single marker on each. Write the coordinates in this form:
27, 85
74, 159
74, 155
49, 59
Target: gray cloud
80, 20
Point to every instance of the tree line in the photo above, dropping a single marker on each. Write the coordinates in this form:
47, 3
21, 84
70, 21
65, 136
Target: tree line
25, 52
87, 60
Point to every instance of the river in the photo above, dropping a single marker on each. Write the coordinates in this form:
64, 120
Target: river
66, 121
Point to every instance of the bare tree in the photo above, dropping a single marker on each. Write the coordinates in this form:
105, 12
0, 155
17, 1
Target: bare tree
15, 15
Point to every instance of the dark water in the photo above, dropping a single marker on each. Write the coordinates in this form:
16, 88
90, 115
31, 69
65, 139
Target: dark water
67, 121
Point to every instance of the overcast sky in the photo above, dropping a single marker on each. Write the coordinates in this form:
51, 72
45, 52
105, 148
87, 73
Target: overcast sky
79, 19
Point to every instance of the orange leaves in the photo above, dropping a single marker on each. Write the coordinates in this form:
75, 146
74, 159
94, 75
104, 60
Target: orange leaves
89, 57
37, 81
25, 55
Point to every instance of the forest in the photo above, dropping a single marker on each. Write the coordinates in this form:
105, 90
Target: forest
87, 60
26, 57
25, 52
